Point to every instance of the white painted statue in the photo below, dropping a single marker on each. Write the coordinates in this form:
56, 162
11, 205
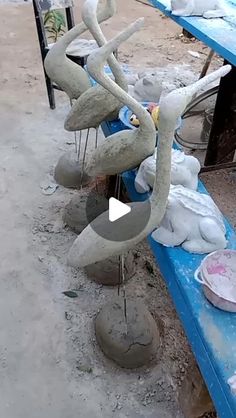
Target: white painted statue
208, 9
192, 220
89, 247
184, 171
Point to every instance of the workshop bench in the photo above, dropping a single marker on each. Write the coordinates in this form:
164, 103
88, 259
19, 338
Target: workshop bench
210, 331
219, 35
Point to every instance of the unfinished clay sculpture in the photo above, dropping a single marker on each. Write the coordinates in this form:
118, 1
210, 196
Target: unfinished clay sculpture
68, 172
107, 272
153, 82
192, 220
132, 344
184, 171
147, 89
90, 247
208, 9
83, 208
125, 149
69, 76
96, 104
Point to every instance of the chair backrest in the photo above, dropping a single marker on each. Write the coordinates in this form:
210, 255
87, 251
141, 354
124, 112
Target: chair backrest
46, 5
41, 7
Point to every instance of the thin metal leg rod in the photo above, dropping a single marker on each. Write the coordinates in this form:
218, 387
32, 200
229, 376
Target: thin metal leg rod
84, 156
121, 262
75, 134
79, 146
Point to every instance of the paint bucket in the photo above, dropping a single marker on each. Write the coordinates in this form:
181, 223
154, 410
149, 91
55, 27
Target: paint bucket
217, 274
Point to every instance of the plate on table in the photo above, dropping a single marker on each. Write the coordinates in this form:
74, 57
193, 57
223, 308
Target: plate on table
125, 114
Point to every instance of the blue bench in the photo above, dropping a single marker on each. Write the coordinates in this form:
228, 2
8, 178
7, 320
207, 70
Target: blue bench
219, 35
211, 332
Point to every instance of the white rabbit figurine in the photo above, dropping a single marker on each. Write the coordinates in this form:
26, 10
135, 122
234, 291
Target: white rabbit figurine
184, 171
193, 221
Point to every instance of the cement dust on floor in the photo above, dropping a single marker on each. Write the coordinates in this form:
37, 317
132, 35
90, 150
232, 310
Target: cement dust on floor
50, 363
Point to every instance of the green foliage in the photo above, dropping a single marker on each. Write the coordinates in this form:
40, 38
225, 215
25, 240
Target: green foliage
55, 24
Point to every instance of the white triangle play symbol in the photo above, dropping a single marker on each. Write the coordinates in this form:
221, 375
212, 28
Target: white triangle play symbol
117, 209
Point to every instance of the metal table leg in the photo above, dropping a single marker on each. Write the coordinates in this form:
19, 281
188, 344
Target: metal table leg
222, 141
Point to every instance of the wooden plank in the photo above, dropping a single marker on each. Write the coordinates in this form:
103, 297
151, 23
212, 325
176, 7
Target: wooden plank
218, 34
211, 332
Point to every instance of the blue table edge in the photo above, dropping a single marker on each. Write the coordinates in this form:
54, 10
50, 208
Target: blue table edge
191, 24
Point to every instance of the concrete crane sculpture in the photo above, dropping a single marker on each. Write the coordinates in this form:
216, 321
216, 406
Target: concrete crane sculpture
74, 80
90, 247
125, 149
96, 104
69, 76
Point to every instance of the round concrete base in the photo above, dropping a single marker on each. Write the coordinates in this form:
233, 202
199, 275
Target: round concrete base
107, 272
129, 346
76, 211
68, 171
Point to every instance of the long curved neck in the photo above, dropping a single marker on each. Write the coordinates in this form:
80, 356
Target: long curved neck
69, 36
171, 108
95, 65
79, 29
89, 16
161, 186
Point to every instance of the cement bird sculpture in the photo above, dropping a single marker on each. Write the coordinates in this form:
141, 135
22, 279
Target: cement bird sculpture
69, 76
96, 104
128, 148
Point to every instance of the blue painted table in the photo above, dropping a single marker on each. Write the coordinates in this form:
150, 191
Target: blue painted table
219, 35
211, 332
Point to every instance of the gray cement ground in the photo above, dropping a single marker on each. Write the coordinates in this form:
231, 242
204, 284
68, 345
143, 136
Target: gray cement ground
50, 364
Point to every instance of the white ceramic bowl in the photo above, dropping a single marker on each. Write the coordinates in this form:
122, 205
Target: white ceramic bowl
217, 274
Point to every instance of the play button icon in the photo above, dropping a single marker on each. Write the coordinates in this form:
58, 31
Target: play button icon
115, 220
117, 209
